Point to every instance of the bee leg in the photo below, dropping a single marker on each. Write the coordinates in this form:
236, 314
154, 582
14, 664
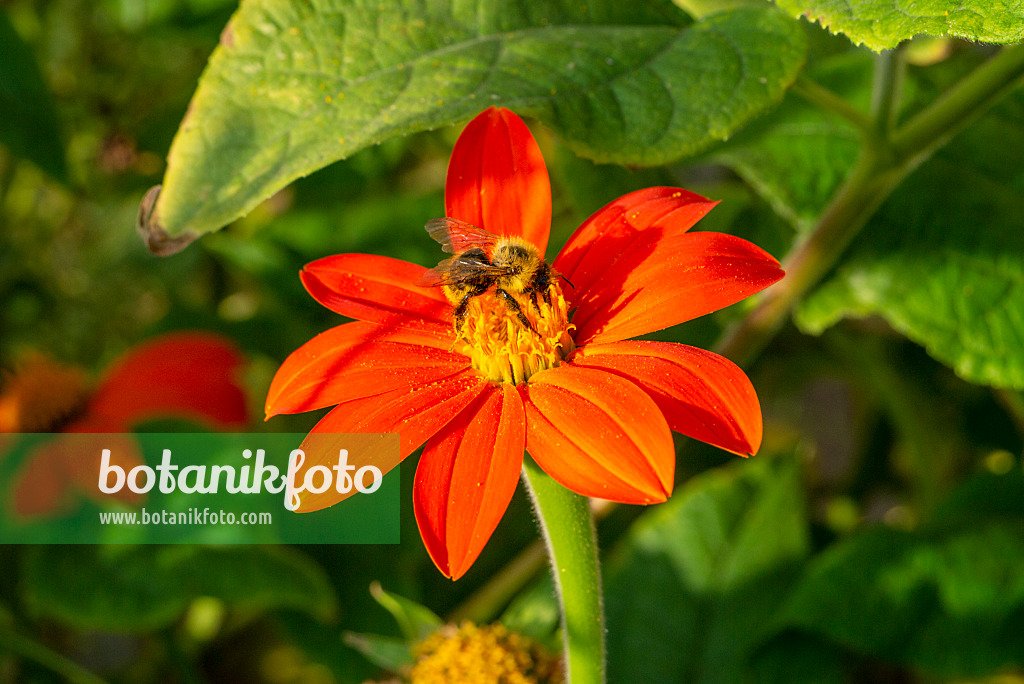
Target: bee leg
460, 312
514, 307
545, 295
542, 282
463, 307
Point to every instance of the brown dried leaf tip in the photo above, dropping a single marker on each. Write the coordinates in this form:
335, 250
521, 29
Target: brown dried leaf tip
153, 234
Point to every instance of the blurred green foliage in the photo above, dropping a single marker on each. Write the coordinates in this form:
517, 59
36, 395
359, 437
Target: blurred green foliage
877, 537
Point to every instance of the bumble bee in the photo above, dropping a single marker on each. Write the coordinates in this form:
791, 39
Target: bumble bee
511, 265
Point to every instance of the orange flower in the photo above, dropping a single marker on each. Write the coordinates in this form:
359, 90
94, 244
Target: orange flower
593, 409
181, 375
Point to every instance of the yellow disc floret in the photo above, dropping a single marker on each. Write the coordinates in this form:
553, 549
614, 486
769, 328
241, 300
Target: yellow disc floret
488, 654
505, 350
41, 396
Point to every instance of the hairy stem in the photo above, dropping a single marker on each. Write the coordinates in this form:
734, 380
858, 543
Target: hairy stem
568, 528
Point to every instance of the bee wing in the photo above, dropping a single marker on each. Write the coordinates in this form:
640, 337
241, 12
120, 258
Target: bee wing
457, 270
458, 236
437, 276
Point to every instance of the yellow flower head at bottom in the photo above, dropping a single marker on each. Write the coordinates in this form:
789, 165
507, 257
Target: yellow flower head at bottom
488, 654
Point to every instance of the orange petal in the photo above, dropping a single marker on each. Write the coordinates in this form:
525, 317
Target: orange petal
82, 458
358, 360
466, 478
497, 179
41, 487
68, 464
598, 434
83, 451
415, 413
680, 278
377, 289
638, 219
181, 375
703, 395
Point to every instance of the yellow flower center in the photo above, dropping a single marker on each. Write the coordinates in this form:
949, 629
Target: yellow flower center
488, 654
505, 350
42, 396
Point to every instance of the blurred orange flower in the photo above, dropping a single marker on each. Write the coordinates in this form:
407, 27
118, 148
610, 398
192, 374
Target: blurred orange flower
593, 409
189, 376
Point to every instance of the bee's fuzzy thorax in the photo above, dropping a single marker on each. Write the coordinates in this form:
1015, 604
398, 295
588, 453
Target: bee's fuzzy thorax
520, 257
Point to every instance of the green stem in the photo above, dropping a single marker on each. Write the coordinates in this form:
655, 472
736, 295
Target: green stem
878, 171
829, 101
69, 670
886, 87
959, 106
869, 183
568, 528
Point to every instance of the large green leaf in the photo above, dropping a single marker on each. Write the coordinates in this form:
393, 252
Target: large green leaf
294, 86
28, 125
948, 599
148, 587
882, 25
697, 581
943, 260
